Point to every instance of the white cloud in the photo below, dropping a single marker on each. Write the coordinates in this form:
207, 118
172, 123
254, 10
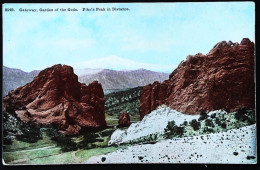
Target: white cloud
119, 63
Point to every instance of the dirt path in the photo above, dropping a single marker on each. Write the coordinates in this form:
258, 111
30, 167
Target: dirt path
77, 160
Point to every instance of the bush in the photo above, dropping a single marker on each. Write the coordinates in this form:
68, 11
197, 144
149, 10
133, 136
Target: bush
185, 123
170, 125
64, 141
30, 133
178, 131
223, 125
218, 122
208, 122
207, 129
195, 124
241, 114
203, 115
251, 117
172, 130
245, 115
213, 115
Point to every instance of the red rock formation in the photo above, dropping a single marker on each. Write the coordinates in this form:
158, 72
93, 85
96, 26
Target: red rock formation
124, 120
221, 79
56, 97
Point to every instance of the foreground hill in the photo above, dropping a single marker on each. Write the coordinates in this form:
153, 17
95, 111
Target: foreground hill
233, 146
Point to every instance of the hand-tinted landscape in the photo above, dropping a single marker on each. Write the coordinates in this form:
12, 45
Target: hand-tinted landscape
157, 83
207, 103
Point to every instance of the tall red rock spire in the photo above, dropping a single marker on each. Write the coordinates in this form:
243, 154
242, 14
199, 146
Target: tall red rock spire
221, 79
56, 97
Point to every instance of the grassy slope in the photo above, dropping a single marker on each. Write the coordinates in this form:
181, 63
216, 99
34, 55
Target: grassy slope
122, 101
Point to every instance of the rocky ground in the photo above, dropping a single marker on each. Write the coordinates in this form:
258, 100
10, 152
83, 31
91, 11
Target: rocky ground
236, 146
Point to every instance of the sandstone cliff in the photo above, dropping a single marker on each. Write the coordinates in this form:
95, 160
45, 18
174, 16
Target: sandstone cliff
56, 97
221, 79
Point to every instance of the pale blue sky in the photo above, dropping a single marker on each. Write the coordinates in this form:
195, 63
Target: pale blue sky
155, 36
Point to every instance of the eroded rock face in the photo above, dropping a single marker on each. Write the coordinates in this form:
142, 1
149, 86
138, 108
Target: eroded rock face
124, 120
56, 97
221, 79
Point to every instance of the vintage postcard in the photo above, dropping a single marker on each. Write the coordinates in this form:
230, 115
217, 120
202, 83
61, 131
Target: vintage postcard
116, 83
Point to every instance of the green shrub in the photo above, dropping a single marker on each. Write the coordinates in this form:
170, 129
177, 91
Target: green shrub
241, 114
208, 122
30, 133
218, 122
203, 115
245, 115
207, 129
178, 131
185, 123
195, 124
64, 141
251, 117
173, 130
223, 125
213, 115
170, 125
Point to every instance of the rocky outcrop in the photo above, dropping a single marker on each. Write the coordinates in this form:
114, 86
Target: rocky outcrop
221, 79
56, 97
151, 128
124, 120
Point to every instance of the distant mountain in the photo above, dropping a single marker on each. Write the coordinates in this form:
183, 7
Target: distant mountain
111, 79
13, 78
87, 71
114, 62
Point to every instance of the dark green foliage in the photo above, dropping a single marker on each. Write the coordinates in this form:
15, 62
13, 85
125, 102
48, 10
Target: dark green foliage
208, 129
245, 115
208, 122
67, 143
223, 125
170, 125
64, 141
213, 115
195, 124
178, 131
203, 115
241, 114
30, 133
218, 122
251, 117
173, 130
185, 123
14, 127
